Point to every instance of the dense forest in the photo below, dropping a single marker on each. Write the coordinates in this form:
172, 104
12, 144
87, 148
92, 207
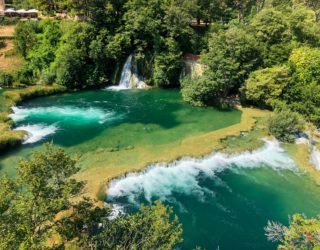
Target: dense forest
263, 53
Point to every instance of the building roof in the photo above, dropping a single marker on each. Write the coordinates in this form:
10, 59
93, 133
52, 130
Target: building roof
10, 11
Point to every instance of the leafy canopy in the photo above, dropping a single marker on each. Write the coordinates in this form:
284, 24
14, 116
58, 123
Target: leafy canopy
39, 206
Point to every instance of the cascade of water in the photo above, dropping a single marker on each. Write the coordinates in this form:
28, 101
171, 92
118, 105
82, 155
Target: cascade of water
129, 78
161, 181
126, 74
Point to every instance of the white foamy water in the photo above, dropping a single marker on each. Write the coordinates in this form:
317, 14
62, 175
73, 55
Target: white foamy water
37, 132
161, 181
116, 210
91, 114
129, 79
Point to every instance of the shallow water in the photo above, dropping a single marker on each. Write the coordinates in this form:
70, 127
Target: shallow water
88, 121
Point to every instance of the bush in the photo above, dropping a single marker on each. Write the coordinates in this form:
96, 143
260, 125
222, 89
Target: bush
2, 44
6, 79
25, 37
285, 124
199, 91
264, 87
8, 20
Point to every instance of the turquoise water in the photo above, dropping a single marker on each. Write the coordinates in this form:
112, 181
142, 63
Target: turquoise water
87, 121
221, 201
224, 201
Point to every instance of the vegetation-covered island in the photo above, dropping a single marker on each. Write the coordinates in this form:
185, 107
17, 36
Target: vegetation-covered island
159, 124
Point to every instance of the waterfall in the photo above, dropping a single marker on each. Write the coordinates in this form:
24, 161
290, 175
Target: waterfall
126, 74
129, 77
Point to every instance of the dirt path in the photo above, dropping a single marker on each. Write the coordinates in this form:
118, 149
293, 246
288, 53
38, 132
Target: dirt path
7, 31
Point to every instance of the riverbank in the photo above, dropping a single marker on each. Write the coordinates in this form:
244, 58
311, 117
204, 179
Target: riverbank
10, 138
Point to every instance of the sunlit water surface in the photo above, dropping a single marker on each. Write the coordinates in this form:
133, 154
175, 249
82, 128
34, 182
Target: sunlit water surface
221, 201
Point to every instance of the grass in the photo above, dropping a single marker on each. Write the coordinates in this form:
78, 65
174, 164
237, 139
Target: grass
8, 137
9, 60
7, 30
247, 140
106, 165
11, 63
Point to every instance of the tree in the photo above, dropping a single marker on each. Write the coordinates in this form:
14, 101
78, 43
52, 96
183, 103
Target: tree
200, 91
73, 66
302, 233
40, 204
167, 64
303, 93
304, 25
43, 189
271, 30
270, 26
285, 124
151, 228
266, 86
231, 56
305, 62
43, 52
25, 37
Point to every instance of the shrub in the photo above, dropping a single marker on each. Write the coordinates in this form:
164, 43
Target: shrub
264, 87
285, 124
2, 44
6, 79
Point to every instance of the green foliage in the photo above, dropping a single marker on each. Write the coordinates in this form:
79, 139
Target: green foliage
303, 93
80, 58
8, 20
285, 124
304, 25
302, 233
25, 37
264, 87
151, 228
43, 189
270, 26
167, 64
6, 79
305, 62
231, 56
23, 4
43, 53
39, 205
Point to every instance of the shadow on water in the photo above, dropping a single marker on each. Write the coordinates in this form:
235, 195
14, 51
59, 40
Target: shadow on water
147, 117
162, 108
